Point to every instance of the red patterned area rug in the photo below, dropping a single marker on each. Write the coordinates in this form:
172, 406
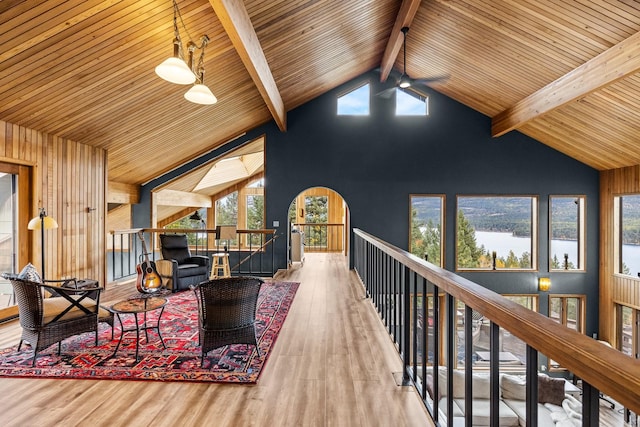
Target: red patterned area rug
180, 361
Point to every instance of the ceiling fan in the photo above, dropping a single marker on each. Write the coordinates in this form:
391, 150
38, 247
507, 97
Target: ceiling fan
404, 81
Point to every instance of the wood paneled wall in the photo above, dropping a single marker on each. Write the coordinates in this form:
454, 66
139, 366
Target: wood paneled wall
614, 288
118, 219
68, 179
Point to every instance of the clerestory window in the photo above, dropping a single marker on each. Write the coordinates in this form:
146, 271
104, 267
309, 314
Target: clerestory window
356, 102
409, 103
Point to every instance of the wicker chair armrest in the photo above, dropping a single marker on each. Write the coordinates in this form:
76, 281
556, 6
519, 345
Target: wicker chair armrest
69, 291
72, 282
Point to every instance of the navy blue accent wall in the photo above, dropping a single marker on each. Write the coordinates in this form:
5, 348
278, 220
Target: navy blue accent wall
376, 162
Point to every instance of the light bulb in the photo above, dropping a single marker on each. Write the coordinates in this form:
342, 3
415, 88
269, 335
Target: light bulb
175, 70
200, 94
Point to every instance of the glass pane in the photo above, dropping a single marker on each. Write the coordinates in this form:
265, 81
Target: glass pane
227, 210
626, 330
495, 232
316, 209
426, 228
410, 104
355, 103
227, 213
7, 235
555, 309
515, 349
630, 235
566, 233
255, 215
573, 314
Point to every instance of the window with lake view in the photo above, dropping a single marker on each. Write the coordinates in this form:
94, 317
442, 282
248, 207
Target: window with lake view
425, 240
496, 232
567, 225
627, 222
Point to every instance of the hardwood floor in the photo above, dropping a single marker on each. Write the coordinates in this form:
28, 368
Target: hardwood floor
332, 365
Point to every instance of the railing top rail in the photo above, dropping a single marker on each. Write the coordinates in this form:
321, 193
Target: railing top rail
605, 368
313, 224
188, 230
126, 231
258, 231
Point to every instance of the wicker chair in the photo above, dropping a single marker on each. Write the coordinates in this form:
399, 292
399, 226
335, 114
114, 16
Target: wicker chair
227, 312
47, 321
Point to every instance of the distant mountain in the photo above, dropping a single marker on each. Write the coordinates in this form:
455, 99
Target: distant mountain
503, 214
513, 214
427, 208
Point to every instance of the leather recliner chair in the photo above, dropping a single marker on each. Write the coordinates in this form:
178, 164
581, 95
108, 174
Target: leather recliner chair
178, 267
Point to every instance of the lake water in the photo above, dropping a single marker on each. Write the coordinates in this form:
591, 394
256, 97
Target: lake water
503, 242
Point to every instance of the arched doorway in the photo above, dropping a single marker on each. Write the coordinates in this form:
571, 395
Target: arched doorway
318, 223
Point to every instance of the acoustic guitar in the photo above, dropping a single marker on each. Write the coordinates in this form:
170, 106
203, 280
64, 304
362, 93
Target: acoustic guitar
148, 281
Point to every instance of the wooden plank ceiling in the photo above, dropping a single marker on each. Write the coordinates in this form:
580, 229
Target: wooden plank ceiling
84, 70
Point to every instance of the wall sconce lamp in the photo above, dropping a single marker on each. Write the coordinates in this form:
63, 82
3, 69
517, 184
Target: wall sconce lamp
42, 222
544, 284
176, 70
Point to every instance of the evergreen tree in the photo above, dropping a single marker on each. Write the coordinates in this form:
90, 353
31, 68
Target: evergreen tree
187, 223
432, 239
255, 212
625, 269
512, 260
255, 215
316, 212
292, 212
425, 239
227, 210
418, 244
468, 252
316, 209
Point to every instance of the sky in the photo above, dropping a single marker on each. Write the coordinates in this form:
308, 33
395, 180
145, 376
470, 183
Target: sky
356, 103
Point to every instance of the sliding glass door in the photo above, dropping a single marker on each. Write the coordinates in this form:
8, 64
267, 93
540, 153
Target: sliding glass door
8, 234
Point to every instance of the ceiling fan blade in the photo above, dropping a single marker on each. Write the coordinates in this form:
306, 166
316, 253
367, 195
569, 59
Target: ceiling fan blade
419, 89
435, 79
387, 92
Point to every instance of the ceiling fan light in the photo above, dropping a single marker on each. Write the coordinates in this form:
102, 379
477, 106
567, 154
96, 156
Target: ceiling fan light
200, 94
404, 82
175, 70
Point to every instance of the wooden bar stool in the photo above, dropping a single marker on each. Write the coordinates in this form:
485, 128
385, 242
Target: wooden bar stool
220, 260
220, 266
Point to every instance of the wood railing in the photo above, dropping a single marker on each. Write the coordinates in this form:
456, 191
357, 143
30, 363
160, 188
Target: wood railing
251, 252
399, 285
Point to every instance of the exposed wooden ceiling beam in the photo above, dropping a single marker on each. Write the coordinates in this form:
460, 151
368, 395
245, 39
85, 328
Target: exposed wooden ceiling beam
235, 20
181, 198
237, 186
610, 66
163, 222
118, 192
405, 16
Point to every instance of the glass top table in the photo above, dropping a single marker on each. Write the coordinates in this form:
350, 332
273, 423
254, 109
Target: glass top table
136, 306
